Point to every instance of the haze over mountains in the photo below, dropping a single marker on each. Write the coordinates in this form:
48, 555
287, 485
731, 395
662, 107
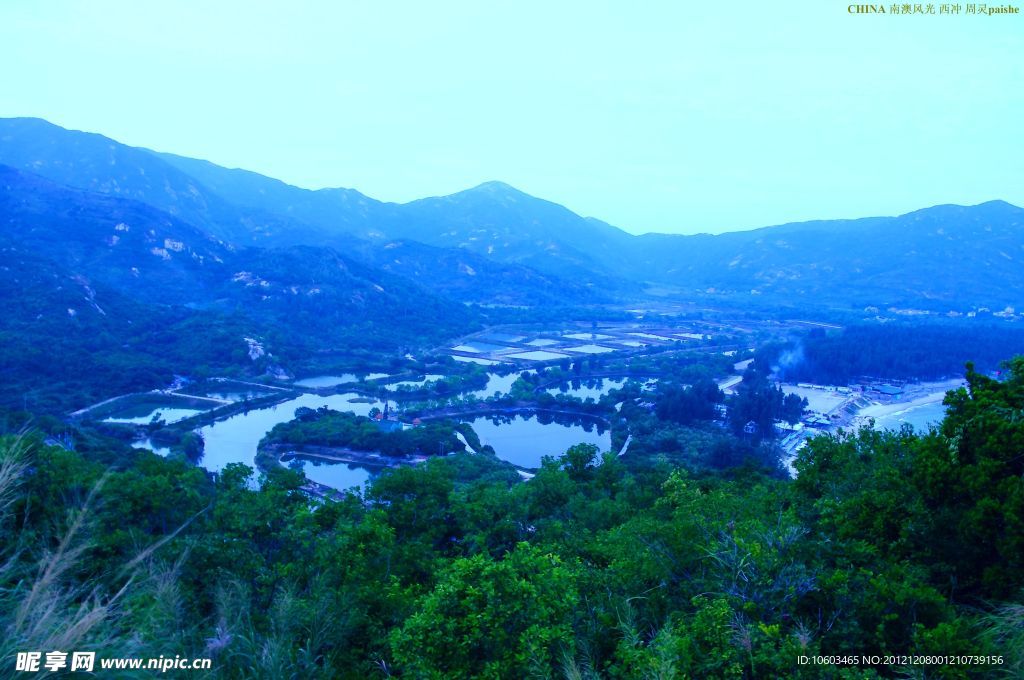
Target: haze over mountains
495, 244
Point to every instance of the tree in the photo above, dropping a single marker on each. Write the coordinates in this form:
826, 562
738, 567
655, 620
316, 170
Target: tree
193, 445
579, 461
492, 618
970, 479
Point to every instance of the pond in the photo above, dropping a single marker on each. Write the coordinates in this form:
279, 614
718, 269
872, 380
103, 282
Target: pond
538, 355
238, 396
593, 388
502, 337
327, 380
234, 439
590, 349
523, 440
497, 384
148, 445
146, 414
338, 476
651, 336
588, 336
475, 360
477, 346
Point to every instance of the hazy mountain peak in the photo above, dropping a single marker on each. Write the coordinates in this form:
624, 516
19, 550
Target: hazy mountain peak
998, 203
963, 214
20, 123
492, 190
497, 187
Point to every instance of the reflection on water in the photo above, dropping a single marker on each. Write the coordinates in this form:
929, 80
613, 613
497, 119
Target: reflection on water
238, 396
475, 360
327, 380
518, 439
499, 384
148, 445
523, 440
391, 387
593, 389
335, 475
234, 439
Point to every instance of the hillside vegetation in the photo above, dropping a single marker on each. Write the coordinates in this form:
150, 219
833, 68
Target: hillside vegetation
886, 544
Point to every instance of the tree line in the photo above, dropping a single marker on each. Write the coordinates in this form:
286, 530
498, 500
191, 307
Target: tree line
888, 543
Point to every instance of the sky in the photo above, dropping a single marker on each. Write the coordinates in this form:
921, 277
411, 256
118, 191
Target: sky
653, 116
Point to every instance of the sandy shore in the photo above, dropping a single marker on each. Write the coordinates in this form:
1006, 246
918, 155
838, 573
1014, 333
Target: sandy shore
916, 395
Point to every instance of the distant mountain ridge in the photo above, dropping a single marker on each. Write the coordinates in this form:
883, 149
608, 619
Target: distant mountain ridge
337, 210
96, 163
235, 206
945, 255
101, 241
496, 243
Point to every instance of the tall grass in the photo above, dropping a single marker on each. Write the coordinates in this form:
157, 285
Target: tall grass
1003, 630
47, 603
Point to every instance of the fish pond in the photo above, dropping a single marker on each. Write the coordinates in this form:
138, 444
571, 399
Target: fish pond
524, 439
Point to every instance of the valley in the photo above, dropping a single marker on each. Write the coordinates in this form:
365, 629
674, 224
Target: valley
141, 266
506, 341
337, 426
520, 402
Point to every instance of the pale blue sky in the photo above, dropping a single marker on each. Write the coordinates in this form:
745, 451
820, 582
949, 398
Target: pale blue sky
654, 116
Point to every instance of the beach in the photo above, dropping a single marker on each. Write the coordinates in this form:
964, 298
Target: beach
915, 397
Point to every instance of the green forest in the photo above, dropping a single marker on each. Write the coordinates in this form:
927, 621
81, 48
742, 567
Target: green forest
325, 427
899, 351
887, 543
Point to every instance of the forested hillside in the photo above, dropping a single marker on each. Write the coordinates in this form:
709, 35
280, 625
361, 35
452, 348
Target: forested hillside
886, 544
128, 294
895, 351
942, 258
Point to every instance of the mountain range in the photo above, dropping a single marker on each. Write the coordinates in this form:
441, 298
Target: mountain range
115, 288
90, 225
495, 244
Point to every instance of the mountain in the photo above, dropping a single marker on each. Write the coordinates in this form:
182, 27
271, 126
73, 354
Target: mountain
154, 294
153, 256
333, 213
505, 224
496, 244
494, 220
939, 258
466, 276
244, 208
96, 163
158, 259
